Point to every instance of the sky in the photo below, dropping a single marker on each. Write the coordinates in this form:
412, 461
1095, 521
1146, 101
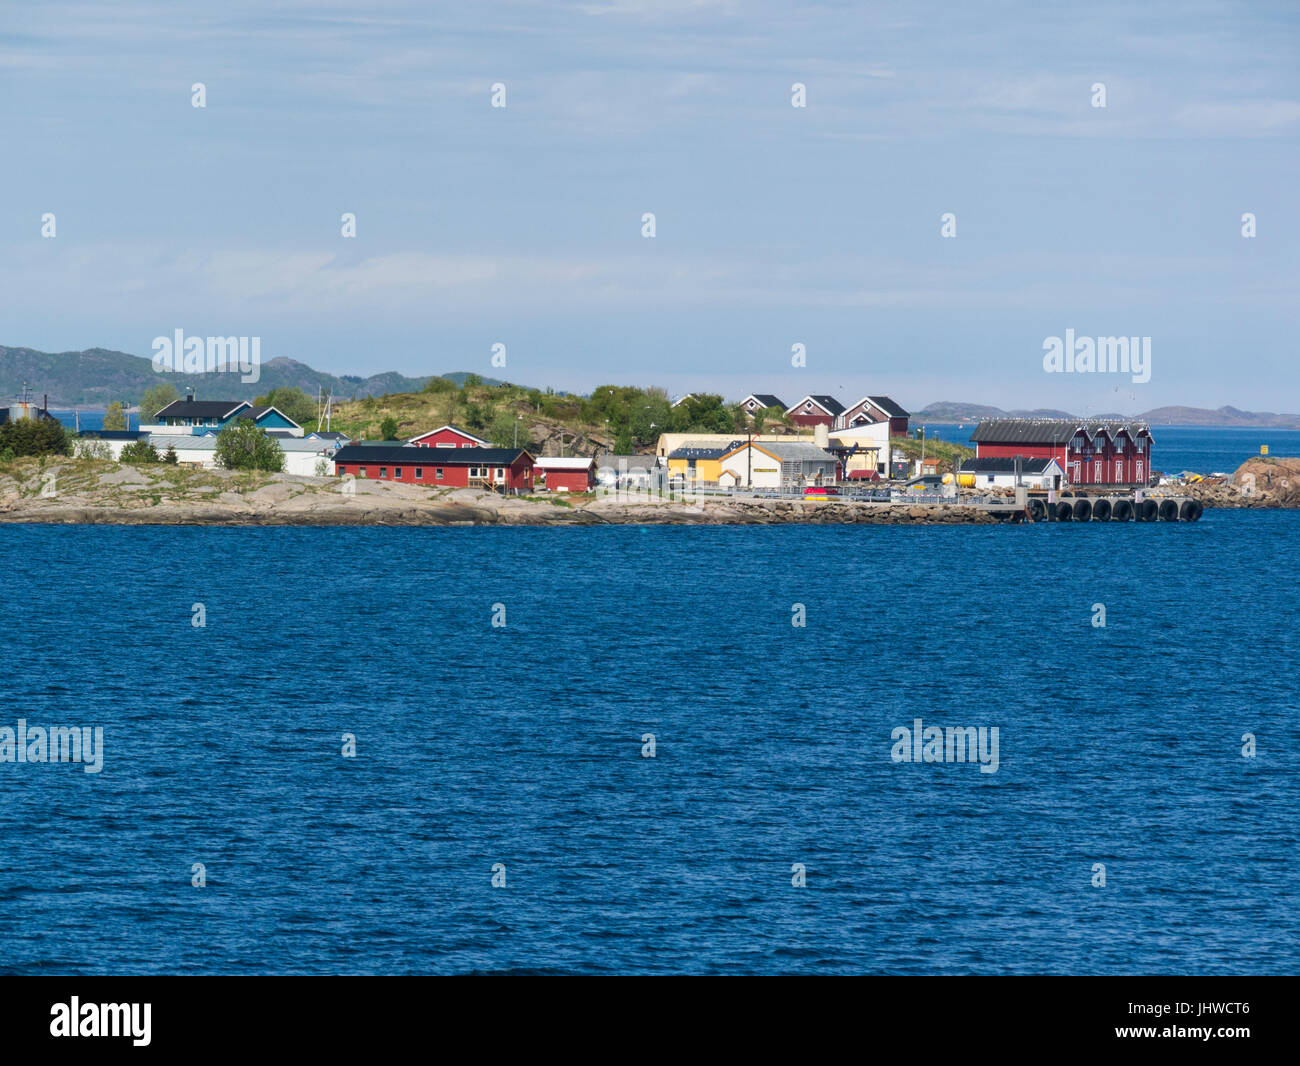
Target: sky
775, 225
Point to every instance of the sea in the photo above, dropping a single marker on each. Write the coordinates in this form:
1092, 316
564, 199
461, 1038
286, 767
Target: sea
654, 750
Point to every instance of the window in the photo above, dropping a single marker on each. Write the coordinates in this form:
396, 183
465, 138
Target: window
419, 473
501, 472
397, 472
383, 471
437, 473
361, 472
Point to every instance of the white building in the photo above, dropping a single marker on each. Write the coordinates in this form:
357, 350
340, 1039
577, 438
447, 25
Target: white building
999, 472
301, 455
627, 471
864, 447
772, 465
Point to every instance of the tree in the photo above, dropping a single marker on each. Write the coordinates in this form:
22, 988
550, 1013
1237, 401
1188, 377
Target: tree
472, 381
115, 417
242, 445
388, 428
439, 384
34, 436
291, 402
140, 451
623, 444
155, 398
170, 455
501, 430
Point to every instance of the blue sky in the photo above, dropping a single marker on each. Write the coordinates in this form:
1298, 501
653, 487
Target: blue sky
775, 225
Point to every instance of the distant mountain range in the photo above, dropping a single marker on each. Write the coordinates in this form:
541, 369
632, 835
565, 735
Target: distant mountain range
97, 377
959, 413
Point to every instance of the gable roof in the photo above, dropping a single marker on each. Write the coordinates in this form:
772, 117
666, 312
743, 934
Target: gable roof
766, 399
700, 451
204, 409
455, 429
564, 462
1049, 430
412, 455
888, 406
829, 404
1006, 465
633, 462
794, 451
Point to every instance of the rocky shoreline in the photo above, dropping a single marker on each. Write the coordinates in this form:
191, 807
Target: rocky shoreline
88, 492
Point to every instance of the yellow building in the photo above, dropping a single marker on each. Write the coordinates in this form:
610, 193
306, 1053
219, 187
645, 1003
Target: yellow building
697, 461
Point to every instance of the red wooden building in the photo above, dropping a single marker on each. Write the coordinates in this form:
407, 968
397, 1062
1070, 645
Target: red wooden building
568, 473
449, 437
872, 409
1090, 453
499, 469
815, 411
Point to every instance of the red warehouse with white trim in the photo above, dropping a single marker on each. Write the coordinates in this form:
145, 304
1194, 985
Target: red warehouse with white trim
1090, 453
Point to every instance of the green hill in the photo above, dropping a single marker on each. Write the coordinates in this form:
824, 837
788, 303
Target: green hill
97, 377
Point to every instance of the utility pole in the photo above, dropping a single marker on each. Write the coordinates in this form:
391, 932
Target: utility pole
749, 460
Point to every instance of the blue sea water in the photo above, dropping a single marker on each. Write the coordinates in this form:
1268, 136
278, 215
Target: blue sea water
522, 745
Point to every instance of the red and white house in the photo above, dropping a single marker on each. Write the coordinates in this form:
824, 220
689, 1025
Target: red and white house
568, 473
499, 469
872, 409
449, 437
815, 411
1090, 453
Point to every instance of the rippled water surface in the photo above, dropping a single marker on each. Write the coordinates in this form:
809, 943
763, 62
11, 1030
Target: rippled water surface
522, 745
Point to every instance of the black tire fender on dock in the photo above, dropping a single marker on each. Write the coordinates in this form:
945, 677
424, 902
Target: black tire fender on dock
1037, 510
1122, 511
1191, 510
1147, 511
1083, 509
1169, 511
1064, 511
1101, 510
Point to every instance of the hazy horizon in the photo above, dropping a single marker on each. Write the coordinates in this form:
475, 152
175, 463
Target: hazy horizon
775, 225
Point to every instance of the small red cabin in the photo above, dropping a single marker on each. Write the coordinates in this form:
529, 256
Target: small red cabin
568, 473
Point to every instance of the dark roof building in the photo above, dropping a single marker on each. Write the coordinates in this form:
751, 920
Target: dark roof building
757, 401
815, 410
892, 409
1090, 451
1051, 430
